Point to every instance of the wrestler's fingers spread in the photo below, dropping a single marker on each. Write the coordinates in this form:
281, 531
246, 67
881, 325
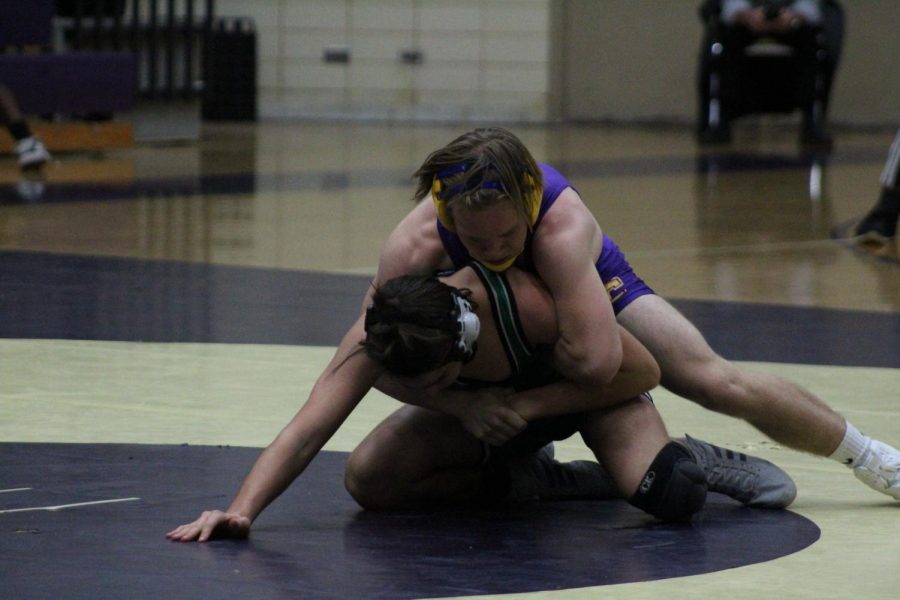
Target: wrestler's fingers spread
176, 532
178, 536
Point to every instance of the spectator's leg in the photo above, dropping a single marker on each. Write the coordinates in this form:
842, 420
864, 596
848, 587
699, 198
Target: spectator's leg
31, 151
814, 74
880, 224
712, 127
727, 77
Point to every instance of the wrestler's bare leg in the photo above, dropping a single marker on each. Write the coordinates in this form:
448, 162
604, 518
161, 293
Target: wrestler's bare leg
777, 407
625, 439
415, 457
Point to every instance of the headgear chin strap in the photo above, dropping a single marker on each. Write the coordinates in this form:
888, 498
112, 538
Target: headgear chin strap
440, 195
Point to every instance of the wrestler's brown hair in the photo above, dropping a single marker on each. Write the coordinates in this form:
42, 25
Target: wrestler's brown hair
410, 326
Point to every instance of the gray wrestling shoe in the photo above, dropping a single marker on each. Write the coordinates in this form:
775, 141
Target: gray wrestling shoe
752, 481
540, 476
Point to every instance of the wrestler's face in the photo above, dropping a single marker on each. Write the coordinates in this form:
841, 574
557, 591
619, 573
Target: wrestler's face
431, 382
494, 235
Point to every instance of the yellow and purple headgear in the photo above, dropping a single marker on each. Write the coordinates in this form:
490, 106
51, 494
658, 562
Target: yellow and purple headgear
441, 194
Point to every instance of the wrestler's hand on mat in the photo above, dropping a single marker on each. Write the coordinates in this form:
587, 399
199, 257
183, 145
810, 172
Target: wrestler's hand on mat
488, 416
212, 523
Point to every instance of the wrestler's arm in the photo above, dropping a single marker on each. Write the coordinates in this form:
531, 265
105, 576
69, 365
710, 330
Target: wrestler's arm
565, 249
484, 412
413, 247
495, 415
638, 373
338, 390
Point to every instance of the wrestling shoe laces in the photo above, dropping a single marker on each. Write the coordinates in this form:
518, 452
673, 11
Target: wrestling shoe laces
879, 468
749, 480
540, 476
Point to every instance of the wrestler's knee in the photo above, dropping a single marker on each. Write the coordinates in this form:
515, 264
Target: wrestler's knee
371, 474
674, 487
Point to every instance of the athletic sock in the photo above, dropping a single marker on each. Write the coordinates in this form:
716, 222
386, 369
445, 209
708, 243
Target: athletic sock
851, 449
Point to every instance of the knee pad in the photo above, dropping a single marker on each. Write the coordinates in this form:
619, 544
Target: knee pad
674, 487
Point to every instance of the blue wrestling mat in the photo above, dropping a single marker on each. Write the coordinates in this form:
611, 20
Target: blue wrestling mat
88, 521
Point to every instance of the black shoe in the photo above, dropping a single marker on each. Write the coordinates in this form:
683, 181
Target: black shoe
541, 477
880, 224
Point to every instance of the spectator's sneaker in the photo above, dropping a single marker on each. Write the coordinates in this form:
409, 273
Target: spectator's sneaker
30, 190
749, 480
540, 476
32, 153
880, 224
879, 468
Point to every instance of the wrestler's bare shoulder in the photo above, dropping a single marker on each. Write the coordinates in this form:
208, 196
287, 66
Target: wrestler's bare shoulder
566, 225
414, 246
568, 210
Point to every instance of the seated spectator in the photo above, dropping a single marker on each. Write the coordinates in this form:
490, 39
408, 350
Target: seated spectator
811, 29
